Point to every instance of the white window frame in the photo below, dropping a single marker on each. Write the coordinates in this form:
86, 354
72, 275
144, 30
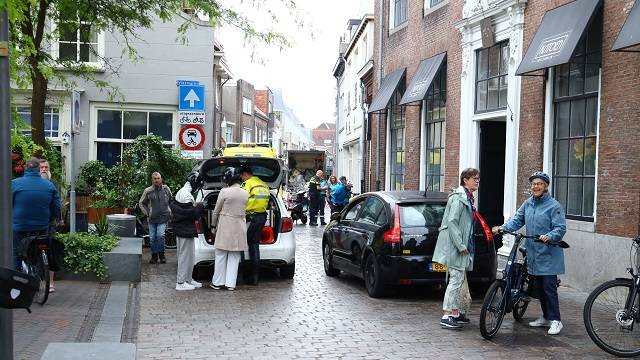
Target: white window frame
247, 134
428, 9
60, 110
93, 123
247, 105
96, 65
392, 15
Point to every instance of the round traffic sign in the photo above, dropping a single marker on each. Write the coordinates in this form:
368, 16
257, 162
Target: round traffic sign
191, 137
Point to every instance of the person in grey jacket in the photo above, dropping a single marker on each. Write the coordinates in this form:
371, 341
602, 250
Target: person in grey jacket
543, 216
155, 204
455, 249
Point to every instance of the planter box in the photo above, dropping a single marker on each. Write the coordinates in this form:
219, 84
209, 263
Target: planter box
94, 214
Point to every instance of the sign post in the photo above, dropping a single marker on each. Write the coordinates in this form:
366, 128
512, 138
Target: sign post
6, 241
75, 127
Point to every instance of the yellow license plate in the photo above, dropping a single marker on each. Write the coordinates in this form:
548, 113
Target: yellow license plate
435, 267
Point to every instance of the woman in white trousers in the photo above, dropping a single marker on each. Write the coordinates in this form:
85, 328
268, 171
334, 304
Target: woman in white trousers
229, 228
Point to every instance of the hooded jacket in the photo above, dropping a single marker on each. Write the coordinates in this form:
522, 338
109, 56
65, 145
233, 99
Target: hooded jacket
184, 213
455, 232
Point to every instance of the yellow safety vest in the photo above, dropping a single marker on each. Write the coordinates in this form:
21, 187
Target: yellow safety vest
258, 195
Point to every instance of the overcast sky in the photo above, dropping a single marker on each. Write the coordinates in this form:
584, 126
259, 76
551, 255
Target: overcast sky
304, 71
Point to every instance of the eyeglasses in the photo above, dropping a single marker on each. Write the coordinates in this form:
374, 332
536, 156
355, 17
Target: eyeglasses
534, 184
475, 178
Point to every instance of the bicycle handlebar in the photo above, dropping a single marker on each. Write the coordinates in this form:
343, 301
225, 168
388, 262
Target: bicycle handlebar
536, 238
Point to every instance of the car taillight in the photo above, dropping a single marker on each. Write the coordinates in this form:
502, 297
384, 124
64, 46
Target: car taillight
266, 235
198, 227
287, 225
485, 227
393, 235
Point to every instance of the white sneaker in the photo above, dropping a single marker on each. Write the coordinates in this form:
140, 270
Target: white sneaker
539, 322
556, 326
195, 284
184, 286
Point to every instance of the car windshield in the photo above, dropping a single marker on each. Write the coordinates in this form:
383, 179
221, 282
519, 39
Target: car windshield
421, 215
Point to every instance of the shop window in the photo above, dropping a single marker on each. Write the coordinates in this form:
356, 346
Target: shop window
51, 120
435, 125
492, 66
117, 128
397, 122
575, 98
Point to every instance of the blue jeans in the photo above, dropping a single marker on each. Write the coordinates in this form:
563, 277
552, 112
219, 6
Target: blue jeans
156, 237
547, 287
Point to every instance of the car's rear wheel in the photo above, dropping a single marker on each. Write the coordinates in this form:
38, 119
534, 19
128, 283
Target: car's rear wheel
326, 259
288, 271
372, 278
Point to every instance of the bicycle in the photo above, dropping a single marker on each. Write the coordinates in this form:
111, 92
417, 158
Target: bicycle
612, 310
35, 262
498, 301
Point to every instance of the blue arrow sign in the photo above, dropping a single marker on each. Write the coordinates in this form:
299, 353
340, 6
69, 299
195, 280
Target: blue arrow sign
191, 98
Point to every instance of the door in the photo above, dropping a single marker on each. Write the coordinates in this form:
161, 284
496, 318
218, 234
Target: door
492, 157
343, 231
369, 221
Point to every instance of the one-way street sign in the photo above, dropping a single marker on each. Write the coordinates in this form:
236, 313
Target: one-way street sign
191, 98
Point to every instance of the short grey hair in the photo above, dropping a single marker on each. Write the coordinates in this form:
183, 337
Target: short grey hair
155, 173
33, 163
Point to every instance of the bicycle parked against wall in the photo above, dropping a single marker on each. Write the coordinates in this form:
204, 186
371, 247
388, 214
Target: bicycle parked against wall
512, 292
33, 252
612, 310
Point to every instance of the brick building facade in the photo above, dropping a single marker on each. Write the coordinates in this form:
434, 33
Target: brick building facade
509, 124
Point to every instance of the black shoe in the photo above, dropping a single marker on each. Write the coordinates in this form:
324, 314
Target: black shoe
450, 323
163, 260
461, 319
217, 287
313, 224
323, 223
154, 259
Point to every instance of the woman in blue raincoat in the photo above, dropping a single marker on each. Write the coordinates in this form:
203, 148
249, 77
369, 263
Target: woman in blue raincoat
543, 216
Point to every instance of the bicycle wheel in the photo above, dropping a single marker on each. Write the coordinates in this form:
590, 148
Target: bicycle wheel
519, 309
41, 271
493, 310
612, 327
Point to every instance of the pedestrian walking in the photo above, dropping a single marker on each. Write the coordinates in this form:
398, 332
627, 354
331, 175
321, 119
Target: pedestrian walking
229, 229
333, 182
543, 216
339, 196
154, 203
35, 204
314, 197
455, 249
256, 216
324, 188
184, 213
56, 249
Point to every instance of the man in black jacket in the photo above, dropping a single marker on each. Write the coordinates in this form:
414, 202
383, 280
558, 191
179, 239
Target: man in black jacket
185, 211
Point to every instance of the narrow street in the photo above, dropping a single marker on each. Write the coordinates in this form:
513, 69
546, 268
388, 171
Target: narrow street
315, 316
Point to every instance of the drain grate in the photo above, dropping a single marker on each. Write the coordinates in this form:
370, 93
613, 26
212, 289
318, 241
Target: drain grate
132, 317
85, 334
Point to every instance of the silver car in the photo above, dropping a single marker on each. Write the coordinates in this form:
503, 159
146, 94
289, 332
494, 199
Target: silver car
277, 243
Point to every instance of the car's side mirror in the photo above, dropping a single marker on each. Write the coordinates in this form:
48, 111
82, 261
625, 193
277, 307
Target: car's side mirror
335, 216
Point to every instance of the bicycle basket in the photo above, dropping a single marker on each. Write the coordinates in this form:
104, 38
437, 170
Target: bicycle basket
17, 289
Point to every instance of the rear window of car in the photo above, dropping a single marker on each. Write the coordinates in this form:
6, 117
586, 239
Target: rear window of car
421, 215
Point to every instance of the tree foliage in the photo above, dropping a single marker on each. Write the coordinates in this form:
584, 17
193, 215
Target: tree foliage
38, 24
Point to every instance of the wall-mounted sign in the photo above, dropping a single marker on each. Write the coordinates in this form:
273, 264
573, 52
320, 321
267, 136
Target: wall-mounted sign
191, 117
192, 154
75, 111
191, 98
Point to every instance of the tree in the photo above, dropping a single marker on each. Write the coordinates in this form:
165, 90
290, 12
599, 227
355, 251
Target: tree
36, 24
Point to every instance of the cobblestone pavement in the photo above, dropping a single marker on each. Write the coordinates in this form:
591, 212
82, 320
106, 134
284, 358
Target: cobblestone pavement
63, 318
314, 316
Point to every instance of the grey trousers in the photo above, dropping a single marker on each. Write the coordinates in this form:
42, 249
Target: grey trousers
186, 250
457, 296
226, 268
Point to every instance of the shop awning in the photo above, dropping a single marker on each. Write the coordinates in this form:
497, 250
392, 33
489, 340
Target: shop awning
427, 70
388, 87
630, 33
558, 35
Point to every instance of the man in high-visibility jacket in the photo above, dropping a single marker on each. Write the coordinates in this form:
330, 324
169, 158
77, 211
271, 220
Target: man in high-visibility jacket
256, 210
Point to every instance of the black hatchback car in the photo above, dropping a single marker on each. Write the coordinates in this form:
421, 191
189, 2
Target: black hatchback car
388, 238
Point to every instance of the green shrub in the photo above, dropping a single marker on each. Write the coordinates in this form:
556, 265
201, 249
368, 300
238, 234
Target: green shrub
83, 252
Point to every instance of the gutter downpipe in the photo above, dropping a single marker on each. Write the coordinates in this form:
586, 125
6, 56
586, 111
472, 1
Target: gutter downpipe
380, 73
362, 137
334, 170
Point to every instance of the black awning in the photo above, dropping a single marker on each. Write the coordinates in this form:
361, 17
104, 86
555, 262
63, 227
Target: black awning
427, 70
388, 87
630, 33
558, 35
